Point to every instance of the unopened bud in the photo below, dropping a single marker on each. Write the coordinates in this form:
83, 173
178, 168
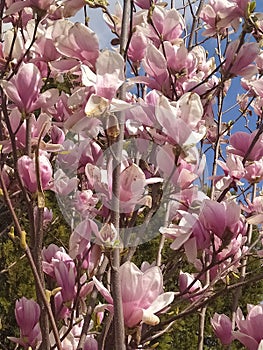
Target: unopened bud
23, 240
11, 233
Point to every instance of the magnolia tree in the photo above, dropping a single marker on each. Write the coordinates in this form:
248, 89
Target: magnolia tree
159, 137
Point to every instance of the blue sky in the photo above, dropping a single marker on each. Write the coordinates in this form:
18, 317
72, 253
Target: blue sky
97, 24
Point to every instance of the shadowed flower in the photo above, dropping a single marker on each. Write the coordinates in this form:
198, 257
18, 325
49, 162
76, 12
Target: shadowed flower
27, 314
249, 331
222, 327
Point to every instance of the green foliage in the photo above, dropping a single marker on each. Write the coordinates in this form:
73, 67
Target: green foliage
16, 279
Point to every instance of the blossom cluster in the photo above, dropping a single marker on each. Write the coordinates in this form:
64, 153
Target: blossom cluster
60, 131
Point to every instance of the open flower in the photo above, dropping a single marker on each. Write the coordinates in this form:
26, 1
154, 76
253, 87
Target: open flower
249, 331
142, 294
240, 143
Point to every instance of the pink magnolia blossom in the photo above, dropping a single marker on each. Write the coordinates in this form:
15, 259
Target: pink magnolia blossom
181, 121
81, 237
144, 4
70, 342
189, 233
249, 329
108, 78
255, 210
85, 202
185, 280
194, 232
137, 46
24, 87
233, 171
63, 185
91, 152
71, 7
57, 135
181, 62
27, 170
220, 217
27, 314
39, 129
239, 60
254, 171
62, 311
45, 50
142, 294
132, 186
169, 24
233, 166
75, 40
59, 265
17, 6
240, 142
256, 85
109, 74
219, 15
222, 327
242, 6
65, 275
182, 175
155, 66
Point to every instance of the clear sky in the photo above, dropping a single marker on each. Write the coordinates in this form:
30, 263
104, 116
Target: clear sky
100, 28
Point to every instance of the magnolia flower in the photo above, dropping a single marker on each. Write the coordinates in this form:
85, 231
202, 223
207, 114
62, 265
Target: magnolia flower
63, 185
27, 314
194, 232
238, 61
65, 275
249, 331
27, 170
185, 280
144, 4
108, 78
137, 46
222, 327
169, 23
18, 6
132, 186
142, 294
90, 343
220, 218
240, 143
50, 256
70, 342
219, 15
24, 87
75, 40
